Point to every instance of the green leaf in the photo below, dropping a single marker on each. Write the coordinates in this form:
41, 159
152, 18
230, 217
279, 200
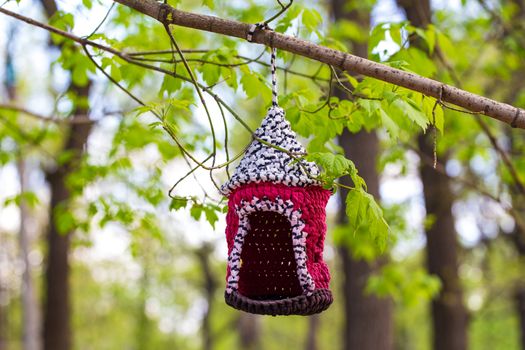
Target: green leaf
311, 19
376, 36
230, 77
334, 164
169, 85
410, 110
439, 121
29, 198
196, 211
63, 20
363, 211
353, 81
115, 72
389, 124
370, 106
362, 247
211, 215
64, 219
210, 73
178, 203
431, 39
253, 85
392, 281
209, 3
286, 20
395, 34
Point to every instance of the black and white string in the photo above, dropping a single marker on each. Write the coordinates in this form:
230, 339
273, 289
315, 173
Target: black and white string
249, 37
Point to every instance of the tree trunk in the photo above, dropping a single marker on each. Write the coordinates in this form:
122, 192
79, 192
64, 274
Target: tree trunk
368, 319
449, 316
313, 328
210, 287
57, 328
30, 317
249, 331
518, 236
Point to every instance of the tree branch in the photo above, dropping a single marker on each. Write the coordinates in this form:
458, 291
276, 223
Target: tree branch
344, 61
74, 120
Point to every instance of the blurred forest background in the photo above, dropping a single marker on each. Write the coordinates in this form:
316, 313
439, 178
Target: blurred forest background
94, 254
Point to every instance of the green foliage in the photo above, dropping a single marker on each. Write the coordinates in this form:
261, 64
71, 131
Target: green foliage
334, 166
65, 220
311, 19
210, 210
28, 198
77, 63
409, 288
254, 84
364, 214
209, 3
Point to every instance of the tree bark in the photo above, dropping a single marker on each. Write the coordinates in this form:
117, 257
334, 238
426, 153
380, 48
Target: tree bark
449, 316
313, 329
57, 311
249, 326
368, 319
57, 327
518, 235
210, 287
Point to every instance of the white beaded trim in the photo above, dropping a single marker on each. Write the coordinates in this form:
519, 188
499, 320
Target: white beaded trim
298, 239
263, 163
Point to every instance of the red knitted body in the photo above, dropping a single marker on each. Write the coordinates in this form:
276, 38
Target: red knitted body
311, 201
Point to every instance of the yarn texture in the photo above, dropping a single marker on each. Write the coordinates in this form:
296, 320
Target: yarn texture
263, 163
276, 223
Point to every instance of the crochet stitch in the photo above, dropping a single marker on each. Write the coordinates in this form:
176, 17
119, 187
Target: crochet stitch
263, 163
276, 228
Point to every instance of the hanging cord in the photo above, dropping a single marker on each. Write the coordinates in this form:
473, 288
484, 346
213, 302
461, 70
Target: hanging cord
275, 103
249, 37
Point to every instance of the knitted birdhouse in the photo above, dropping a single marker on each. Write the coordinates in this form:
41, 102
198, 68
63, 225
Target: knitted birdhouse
276, 227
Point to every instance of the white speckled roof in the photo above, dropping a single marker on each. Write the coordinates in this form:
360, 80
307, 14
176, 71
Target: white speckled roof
263, 163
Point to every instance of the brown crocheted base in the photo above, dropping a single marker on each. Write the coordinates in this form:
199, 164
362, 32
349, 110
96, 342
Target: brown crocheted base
304, 305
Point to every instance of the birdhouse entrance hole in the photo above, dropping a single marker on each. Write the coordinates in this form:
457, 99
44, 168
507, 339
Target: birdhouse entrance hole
268, 267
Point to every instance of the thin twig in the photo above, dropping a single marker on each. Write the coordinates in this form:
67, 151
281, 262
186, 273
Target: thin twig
50, 119
197, 87
101, 22
278, 14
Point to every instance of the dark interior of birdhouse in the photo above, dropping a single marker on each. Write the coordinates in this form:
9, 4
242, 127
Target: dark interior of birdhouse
268, 268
